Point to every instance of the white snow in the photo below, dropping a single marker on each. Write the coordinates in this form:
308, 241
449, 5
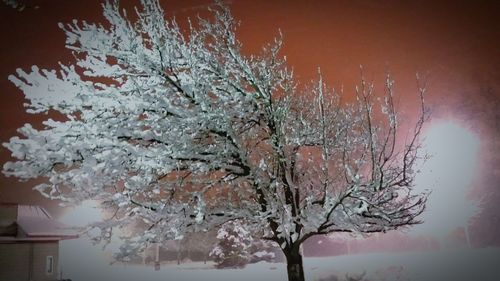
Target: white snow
82, 262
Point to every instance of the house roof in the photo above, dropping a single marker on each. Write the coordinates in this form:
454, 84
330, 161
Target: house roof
36, 224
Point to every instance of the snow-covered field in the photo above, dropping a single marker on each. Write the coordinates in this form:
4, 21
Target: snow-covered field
82, 262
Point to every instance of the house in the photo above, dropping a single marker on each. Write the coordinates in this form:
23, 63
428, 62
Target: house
29, 243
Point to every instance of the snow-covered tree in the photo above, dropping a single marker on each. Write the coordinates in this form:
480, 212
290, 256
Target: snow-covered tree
233, 245
236, 246
175, 130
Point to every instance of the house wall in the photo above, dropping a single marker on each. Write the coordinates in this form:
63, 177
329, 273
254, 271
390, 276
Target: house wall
15, 261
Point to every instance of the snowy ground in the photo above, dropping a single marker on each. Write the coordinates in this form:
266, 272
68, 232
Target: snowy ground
82, 262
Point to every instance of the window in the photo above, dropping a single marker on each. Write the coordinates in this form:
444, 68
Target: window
49, 265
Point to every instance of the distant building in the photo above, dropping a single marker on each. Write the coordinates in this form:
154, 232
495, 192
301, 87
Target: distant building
29, 243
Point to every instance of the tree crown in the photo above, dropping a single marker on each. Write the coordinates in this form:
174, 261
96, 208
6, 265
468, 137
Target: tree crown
179, 131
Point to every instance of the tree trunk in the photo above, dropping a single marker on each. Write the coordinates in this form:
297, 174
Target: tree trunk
294, 266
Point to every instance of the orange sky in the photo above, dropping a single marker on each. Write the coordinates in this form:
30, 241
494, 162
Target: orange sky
455, 44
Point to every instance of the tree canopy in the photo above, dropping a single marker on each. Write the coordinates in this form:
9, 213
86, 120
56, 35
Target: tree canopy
176, 131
